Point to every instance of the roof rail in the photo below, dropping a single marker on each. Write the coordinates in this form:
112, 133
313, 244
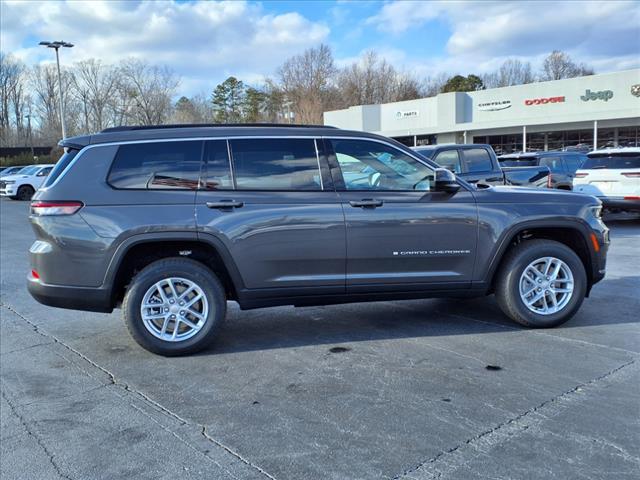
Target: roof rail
125, 128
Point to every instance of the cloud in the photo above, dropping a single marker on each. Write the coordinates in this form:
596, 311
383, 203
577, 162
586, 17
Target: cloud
204, 40
600, 33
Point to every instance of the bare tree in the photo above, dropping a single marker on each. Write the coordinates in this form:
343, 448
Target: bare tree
434, 85
511, 72
147, 91
306, 81
13, 100
95, 85
559, 65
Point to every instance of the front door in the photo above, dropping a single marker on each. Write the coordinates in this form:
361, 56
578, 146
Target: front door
276, 212
401, 234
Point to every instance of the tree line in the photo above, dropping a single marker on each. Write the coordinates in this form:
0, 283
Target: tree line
135, 92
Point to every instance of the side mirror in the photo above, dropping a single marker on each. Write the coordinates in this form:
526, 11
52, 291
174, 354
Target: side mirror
446, 181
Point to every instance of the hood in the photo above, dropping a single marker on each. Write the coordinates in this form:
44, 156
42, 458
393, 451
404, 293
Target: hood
507, 194
13, 177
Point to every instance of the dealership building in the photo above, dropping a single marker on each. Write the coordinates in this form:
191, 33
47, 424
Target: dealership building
596, 110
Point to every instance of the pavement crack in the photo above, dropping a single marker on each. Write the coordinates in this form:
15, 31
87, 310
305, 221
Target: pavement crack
113, 380
488, 438
234, 453
31, 432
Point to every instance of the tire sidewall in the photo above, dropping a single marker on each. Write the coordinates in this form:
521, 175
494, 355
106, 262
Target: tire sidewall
25, 188
574, 263
153, 274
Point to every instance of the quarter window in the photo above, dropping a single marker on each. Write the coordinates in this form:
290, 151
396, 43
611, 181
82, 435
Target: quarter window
367, 165
477, 160
276, 164
161, 165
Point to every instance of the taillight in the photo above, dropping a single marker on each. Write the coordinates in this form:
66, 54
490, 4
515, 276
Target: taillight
631, 174
581, 175
632, 197
55, 208
549, 181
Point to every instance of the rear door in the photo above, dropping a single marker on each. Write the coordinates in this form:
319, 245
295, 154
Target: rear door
401, 234
272, 203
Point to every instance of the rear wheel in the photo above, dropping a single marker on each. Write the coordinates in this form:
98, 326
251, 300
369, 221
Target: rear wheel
541, 283
174, 306
25, 192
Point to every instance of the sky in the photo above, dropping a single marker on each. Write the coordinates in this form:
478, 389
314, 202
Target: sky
204, 42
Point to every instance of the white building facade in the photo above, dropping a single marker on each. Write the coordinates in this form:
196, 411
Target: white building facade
593, 111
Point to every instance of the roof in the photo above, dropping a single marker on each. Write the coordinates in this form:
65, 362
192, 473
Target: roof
162, 132
613, 151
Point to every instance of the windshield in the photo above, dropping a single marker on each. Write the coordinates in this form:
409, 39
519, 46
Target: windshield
29, 170
611, 161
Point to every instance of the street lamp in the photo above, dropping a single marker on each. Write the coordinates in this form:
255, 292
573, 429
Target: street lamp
56, 45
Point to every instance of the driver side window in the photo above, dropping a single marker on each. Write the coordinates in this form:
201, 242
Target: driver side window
368, 165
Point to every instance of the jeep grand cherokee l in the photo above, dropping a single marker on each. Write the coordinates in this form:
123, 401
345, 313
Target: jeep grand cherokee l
170, 223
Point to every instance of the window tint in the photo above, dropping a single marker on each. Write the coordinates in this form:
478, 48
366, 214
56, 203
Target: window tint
59, 167
573, 162
217, 169
554, 164
367, 165
615, 161
449, 159
162, 165
44, 172
477, 160
276, 164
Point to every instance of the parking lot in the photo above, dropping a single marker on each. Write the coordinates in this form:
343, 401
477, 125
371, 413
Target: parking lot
418, 389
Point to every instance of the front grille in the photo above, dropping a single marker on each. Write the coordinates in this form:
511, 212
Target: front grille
2, 185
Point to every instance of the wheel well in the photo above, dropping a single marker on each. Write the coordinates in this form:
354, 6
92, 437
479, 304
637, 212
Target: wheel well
570, 237
142, 254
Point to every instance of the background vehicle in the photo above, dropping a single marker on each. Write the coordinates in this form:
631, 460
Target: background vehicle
612, 175
24, 184
477, 163
562, 165
173, 222
6, 171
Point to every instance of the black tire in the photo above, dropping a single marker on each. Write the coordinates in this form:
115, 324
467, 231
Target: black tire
507, 285
25, 192
174, 267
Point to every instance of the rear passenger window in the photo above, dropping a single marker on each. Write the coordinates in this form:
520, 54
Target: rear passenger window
161, 165
449, 159
276, 164
477, 160
217, 171
554, 164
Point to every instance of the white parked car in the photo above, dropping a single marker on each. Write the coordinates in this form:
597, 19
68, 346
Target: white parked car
24, 184
612, 175
11, 170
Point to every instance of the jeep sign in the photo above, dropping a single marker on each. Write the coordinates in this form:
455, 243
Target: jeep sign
601, 95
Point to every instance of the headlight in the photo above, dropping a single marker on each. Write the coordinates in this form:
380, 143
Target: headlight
596, 210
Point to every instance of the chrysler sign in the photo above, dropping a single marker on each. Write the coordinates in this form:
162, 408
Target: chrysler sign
493, 106
543, 101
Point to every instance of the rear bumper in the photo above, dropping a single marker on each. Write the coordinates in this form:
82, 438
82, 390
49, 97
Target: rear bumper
621, 203
74, 298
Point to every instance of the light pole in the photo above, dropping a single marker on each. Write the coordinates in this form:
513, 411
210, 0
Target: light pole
56, 45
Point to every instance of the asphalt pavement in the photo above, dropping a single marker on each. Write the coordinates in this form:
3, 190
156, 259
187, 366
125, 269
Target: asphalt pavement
419, 389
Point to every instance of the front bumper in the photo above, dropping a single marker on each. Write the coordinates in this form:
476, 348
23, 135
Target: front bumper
8, 191
74, 298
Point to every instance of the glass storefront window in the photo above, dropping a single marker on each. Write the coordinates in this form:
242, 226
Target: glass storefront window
629, 137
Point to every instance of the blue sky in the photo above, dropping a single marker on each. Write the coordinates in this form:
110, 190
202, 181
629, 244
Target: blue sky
206, 41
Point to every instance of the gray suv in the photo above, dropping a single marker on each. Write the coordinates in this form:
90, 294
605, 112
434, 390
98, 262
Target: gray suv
169, 223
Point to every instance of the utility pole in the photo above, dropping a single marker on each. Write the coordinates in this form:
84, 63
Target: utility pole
56, 45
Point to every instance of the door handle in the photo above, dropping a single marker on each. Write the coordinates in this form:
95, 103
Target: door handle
225, 204
366, 203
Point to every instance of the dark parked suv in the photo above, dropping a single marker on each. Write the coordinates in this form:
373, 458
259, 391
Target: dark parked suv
563, 165
170, 223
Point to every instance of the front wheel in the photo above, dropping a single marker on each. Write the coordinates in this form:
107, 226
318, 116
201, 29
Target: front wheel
174, 306
25, 192
541, 283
